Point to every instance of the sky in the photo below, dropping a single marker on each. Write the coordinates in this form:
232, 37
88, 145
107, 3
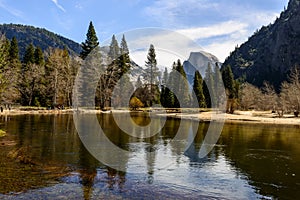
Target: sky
216, 26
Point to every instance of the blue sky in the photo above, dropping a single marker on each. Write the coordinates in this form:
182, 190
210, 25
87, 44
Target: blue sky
216, 25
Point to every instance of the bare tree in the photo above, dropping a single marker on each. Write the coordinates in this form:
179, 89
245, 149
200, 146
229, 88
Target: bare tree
290, 92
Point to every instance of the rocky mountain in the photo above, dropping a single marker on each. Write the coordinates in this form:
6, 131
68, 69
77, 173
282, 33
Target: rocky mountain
271, 52
199, 61
38, 37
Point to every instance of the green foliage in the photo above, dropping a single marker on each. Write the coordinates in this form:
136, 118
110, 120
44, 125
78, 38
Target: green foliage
198, 89
181, 86
209, 81
229, 82
207, 96
29, 57
114, 49
151, 75
90, 43
39, 56
14, 50
124, 47
124, 59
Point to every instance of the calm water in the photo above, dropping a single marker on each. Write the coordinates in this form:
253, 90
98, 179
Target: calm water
43, 158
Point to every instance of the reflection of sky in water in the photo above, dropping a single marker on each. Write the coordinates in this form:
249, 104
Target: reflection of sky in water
246, 161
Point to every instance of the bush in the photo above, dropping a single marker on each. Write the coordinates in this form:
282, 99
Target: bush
135, 103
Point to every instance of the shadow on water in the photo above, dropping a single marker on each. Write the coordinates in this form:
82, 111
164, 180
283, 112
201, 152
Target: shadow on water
249, 161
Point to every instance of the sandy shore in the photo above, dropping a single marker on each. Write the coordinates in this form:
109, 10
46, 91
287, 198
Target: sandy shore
241, 117
260, 117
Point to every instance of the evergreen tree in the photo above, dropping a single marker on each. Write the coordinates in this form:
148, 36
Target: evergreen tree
172, 86
124, 59
124, 47
90, 43
218, 86
14, 50
4, 67
31, 79
163, 93
232, 89
114, 49
39, 56
151, 75
198, 89
183, 86
206, 95
29, 57
228, 81
209, 80
14, 64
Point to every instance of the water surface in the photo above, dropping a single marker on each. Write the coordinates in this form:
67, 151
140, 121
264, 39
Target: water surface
43, 158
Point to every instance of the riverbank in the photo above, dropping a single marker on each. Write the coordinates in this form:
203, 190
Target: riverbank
259, 117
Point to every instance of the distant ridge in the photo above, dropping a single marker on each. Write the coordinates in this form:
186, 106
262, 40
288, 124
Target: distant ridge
38, 37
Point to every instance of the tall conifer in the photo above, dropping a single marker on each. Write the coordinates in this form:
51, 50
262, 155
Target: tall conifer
90, 43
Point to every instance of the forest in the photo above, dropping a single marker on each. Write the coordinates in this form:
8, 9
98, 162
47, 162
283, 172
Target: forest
46, 79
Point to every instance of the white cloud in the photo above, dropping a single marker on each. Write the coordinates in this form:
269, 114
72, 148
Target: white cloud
169, 45
230, 32
233, 22
223, 28
58, 5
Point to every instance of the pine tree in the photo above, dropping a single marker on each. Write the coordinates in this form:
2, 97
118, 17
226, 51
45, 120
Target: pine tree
151, 74
90, 43
228, 81
218, 86
164, 91
124, 59
231, 87
198, 90
39, 56
31, 78
29, 55
183, 86
209, 80
207, 96
4, 67
14, 64
114, 49
14, 50
123, 46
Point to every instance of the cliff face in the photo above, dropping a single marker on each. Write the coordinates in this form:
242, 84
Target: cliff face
271, 52
198, 61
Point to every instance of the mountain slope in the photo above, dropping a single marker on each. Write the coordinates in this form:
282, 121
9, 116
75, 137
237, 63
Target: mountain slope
38, 37
271, 52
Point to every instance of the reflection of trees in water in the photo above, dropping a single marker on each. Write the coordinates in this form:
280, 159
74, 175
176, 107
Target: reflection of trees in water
88, 166
115, 178
87, 170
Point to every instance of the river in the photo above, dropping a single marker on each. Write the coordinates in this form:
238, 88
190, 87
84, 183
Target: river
42, 157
